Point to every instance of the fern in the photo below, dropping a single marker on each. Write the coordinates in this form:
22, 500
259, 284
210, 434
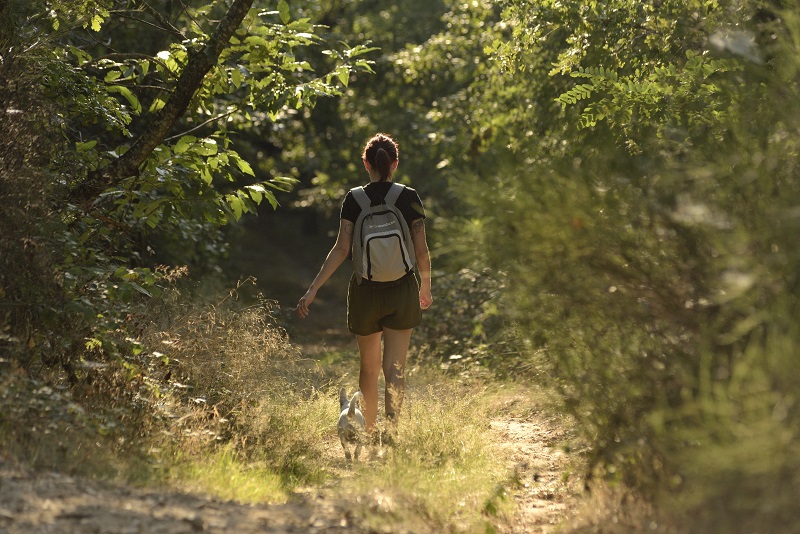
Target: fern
579, 92
658, 94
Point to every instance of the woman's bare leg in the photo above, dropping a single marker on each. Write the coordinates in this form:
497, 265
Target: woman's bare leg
370, 349
395, 351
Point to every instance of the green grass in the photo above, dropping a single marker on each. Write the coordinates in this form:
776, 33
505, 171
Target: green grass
445, 472
224, 474
239, 414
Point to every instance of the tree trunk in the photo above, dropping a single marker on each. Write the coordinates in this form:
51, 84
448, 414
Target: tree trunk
199, 64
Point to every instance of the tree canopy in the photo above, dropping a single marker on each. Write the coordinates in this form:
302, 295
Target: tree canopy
612, 189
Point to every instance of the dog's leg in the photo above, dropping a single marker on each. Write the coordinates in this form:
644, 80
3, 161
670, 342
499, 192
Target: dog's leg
347, 450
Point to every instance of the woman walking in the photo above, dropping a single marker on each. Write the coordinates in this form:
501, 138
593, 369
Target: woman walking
378, 308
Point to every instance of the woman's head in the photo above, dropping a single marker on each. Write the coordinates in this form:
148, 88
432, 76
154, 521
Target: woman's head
382, 155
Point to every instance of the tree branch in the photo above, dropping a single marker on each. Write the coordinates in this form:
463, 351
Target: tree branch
167, 25
212, 119
200, 62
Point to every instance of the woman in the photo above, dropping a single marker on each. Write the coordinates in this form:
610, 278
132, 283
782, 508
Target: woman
376, 310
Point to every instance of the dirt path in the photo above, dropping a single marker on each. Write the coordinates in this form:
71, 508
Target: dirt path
544, 496
48, 502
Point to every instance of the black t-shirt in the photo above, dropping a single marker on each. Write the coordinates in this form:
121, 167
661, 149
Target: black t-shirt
408, 202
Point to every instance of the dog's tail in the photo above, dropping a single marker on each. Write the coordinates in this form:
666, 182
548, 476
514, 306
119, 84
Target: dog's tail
351, 410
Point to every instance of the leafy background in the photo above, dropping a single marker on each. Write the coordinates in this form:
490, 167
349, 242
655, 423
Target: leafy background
611, 188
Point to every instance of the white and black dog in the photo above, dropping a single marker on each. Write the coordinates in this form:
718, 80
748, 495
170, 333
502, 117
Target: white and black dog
351, 423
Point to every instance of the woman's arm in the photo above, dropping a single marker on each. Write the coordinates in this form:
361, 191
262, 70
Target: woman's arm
423, 262
336, 257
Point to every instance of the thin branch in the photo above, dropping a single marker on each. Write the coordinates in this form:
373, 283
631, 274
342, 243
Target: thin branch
160, 19
120, 55
32, 46
123, 83
124, 56
156, 87
125, 15
212, 119
189, 15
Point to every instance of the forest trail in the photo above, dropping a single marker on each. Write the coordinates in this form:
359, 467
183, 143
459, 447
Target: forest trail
543, 498
50, 502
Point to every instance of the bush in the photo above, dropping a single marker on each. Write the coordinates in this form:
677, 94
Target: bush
465, 331
228, 377
655, 282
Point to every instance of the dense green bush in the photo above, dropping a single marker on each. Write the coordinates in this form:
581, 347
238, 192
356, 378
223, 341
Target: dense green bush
651, 260
465, 328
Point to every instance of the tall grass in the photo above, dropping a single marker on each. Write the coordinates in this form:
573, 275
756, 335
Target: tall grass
239, 398
445, 473
223, 473
226, 406
255, 412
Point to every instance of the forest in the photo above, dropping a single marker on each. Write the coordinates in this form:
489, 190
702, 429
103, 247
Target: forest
612, 191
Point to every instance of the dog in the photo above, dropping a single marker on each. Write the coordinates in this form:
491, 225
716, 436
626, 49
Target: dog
351, 423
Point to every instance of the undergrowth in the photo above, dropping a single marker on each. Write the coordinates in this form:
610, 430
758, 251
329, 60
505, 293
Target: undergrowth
445, 470
220, 402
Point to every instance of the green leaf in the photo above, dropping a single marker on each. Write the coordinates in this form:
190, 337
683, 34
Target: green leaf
152, 220
271, 199
129, 96
255, 41
85, 147
244, 166
156, 105
236, 205
208, 147
97, 22
344, 76
360, 50
139, 288
283, 11
282, 183
257, 192
183, 144
236, 77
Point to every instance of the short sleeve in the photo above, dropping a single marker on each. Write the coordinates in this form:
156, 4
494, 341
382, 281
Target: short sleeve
415, 207
350, 208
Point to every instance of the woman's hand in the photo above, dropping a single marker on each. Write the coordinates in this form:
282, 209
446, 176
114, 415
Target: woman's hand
425, 298
305, 302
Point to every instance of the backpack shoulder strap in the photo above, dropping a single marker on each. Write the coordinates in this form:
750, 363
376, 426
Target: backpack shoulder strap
394, 193
361, 197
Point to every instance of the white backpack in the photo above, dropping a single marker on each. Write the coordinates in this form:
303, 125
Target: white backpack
381, 240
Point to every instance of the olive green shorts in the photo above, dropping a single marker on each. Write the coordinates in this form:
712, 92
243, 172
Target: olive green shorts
371, 306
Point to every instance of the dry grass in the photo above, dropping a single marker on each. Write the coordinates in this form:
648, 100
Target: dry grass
238, 398
228, 407
275, 411
445, 473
